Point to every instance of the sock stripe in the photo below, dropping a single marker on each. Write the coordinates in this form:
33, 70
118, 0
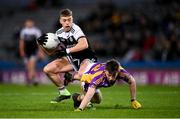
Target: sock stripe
61, 88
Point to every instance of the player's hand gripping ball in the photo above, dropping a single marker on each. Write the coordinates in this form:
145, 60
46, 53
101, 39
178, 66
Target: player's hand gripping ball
48, 41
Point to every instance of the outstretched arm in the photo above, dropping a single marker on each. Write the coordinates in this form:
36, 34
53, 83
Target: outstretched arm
87, 98
132, 87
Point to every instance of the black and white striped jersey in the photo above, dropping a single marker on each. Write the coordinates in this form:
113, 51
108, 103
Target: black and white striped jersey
70, 39
29, 35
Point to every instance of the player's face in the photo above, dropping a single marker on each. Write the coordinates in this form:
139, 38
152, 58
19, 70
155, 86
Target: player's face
29, 23
66, 22
110, 76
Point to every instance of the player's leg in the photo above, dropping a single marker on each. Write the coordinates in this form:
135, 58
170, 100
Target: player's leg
54, 68
77, 98
28, 61
76, 75
53, 71
83, 66
97, 98
31, 65
68, 77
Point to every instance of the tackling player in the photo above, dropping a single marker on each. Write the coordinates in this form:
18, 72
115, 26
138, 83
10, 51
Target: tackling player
74, 44
99, 75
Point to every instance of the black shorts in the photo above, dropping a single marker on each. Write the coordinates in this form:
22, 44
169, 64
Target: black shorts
30, 48
79, 57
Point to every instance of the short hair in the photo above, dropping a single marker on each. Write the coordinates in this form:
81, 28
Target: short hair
112, 66
65, 12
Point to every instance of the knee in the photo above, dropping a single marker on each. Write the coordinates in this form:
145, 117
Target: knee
97, 100
77, 76
46, 70
80, 73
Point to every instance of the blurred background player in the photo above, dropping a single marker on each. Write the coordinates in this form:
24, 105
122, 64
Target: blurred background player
73, 44
99, 75
29, 50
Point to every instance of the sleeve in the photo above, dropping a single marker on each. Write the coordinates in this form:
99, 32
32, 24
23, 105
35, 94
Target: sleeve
124, 75
78, 34
38, 33
22, 34
96, 81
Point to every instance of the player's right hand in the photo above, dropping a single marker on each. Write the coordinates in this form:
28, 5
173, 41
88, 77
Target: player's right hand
42, 39
135, 104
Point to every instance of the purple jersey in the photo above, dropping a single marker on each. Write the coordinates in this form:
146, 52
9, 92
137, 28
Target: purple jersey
95, 76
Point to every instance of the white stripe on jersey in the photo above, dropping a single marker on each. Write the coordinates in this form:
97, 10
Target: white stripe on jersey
30, 31
75, 31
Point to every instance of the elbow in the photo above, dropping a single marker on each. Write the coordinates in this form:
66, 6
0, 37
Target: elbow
83, 43
86, 46
132, 81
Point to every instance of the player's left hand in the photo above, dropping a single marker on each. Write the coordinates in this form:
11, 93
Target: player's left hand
78, 110
135, 104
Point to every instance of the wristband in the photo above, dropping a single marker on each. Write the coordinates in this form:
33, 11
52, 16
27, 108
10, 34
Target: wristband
67, 51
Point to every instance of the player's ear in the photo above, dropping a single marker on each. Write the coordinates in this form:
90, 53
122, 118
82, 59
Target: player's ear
72, 18
60, 20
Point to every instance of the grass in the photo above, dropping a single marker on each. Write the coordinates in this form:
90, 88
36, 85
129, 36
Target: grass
18, 101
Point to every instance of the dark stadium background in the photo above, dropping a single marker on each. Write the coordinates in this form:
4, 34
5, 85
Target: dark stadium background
141, 34
144, 35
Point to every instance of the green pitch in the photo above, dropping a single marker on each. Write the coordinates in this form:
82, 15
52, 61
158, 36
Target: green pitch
18, 101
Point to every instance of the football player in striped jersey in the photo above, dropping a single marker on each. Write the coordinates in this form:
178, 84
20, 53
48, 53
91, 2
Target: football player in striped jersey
74, 54
29, 50
99, 75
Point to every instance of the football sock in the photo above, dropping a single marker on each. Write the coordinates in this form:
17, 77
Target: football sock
63, 91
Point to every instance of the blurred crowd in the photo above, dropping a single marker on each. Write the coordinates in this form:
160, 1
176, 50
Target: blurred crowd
139, 32
146, 34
